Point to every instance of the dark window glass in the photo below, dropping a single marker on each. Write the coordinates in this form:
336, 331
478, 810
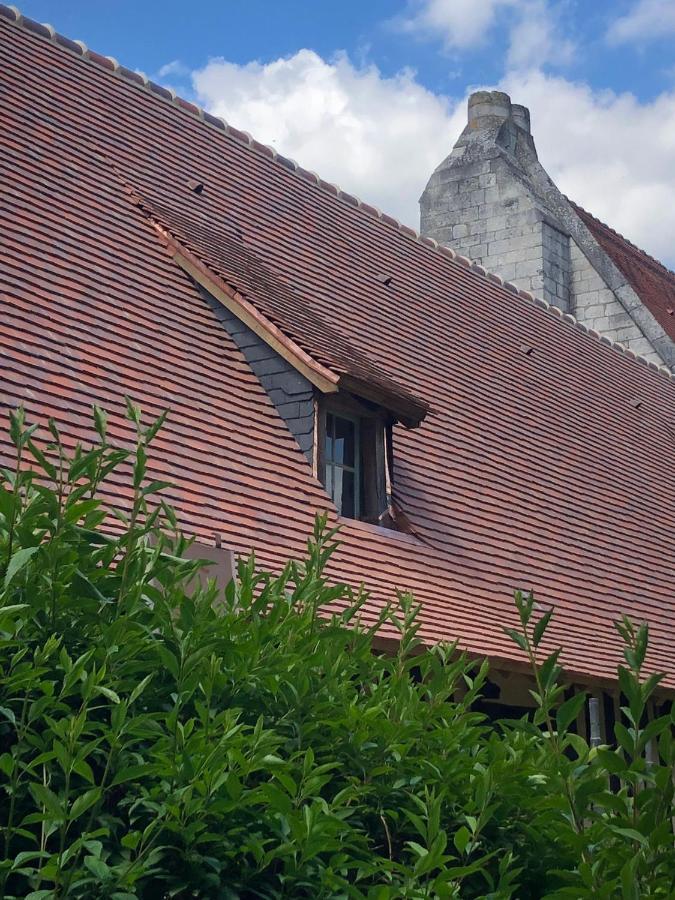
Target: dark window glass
330, 428
346, 494
345, 438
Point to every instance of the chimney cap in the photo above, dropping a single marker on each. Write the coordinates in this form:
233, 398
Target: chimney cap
492, 104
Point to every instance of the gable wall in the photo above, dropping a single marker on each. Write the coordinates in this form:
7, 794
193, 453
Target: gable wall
594, 304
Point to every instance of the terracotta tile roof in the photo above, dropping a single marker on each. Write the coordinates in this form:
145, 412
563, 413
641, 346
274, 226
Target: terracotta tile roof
651, 280
548, 469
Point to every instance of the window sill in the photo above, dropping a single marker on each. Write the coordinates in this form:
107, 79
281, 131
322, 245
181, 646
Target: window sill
380, 531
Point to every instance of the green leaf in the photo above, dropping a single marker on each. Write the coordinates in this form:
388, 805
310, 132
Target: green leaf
18, 561
107, 692
27, 856
461, 838
155, 427
472, 822
541, 627
46, 798
578, 744
84, 586
7, 764
418, 849
84, 802
629, 833
17, 421
140, 687
169, 659
155, 487
97, 867
624, 738
654, 728
83, 466
131, 840
517, 638
47, 466
524, 605
568, 712
83, 769
650, 685
611, 760
100, 422
79, 510
630, 685
8, 714
549, 669
96, 847
133, 411
140, 465
641, 644
12, 608
134, 773
629, 887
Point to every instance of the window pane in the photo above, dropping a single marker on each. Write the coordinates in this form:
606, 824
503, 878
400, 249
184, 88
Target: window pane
346, 496
336, 493
330, 430
341, 473
343, 447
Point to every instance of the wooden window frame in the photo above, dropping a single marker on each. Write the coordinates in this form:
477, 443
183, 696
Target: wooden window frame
373, 446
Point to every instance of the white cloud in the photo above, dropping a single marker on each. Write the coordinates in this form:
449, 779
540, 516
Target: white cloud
175, 67
533, 27
536, 38
381, 138
459, 23
377, 137
648, 20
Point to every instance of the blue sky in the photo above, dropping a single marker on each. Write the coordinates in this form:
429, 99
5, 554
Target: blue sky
372, 93
149, 34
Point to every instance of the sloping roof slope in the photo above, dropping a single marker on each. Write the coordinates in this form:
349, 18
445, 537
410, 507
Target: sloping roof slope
651, 280
548, 469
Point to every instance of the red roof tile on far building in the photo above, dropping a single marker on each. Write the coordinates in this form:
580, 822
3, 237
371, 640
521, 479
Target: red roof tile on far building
148, 249
650, 279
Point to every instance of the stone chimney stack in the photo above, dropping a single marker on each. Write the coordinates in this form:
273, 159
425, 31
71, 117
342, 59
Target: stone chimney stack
488, 200
491, 200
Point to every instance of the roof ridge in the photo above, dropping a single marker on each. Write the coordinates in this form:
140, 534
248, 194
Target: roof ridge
79, 48
617, 234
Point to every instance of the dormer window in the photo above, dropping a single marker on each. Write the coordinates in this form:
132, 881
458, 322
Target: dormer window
354, 447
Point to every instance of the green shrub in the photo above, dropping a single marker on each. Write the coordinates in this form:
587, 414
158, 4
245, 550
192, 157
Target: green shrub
158, 739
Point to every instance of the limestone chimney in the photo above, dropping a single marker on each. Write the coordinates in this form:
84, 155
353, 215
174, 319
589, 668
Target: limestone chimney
492, 201
487, 200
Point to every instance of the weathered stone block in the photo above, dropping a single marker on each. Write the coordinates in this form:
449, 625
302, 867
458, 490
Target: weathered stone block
621, 320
